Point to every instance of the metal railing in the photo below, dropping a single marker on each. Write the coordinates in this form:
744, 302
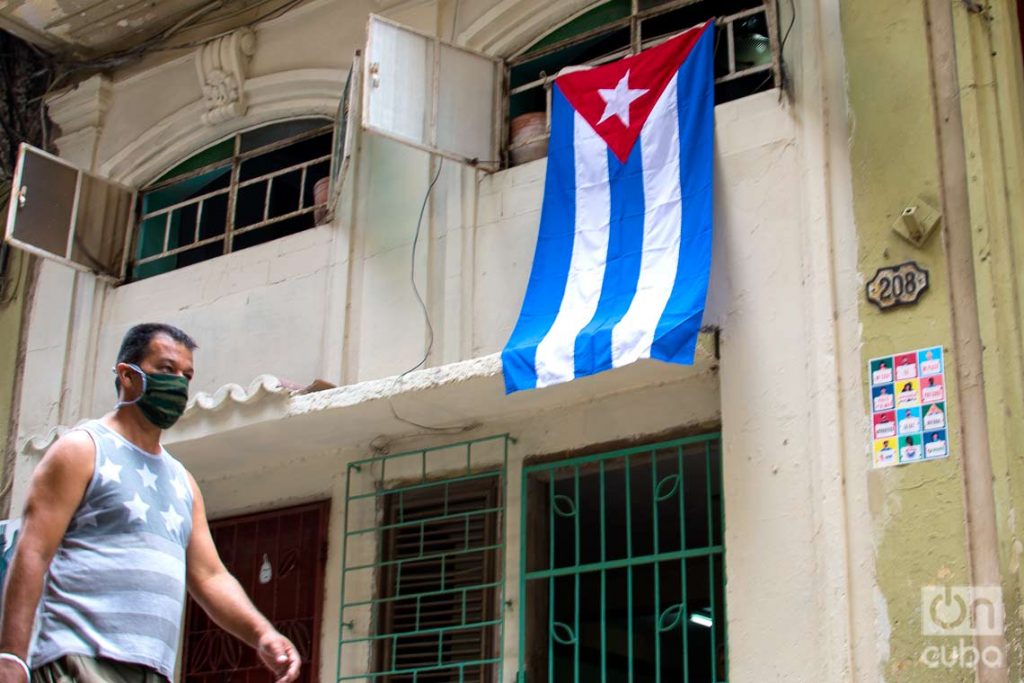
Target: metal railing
423, 556
725, 26
173, 214
622, 570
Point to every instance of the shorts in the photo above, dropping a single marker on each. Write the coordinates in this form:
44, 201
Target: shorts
81, 669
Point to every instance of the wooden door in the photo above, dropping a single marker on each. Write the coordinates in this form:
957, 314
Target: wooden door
278, 556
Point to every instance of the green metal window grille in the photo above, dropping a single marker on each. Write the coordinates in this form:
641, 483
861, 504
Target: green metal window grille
622, 569
422, 580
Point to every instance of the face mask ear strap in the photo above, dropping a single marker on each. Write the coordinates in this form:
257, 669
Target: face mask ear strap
145, 382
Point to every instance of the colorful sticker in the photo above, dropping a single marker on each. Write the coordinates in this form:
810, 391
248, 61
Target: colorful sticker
882, 398
884, 425
935, 444
909, 420
929, 361
885, 452
881, 371
908, 407
906, 394
932, 390
906, 366
935, 416
910, 448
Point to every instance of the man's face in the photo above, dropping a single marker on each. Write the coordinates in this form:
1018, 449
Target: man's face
164, 356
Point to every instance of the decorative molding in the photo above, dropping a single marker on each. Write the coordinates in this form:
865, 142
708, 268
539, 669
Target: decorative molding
222, 65
79, 113
274, 97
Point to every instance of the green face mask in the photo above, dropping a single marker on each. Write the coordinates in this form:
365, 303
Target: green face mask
163, 398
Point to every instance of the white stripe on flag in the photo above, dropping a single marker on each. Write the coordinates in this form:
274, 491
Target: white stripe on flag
556, 352
633, 336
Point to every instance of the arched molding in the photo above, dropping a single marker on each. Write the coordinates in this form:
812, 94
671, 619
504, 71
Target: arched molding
511, 25
282, 95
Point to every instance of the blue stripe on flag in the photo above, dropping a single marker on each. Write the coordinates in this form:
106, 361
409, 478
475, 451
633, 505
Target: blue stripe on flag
676, 337
546, 287
625, 245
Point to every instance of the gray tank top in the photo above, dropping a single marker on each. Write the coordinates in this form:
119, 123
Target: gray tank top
116, 586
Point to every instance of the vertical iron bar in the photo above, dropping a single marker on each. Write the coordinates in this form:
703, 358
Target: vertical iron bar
604, 580
711, 562
302, 188
682, 565
551, 581
629, 569
731, 45
229, 221
266, 198
655, 567
199, 220
576, 574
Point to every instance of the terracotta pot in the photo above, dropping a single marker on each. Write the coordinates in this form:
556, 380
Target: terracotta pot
320, 192
528, 137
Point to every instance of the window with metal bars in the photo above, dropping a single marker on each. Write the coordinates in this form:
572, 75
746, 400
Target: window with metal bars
746, 55
623, 567
254, 187
437, 582
422, 569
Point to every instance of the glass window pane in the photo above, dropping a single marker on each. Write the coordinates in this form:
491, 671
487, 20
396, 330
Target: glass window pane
285, 157
580, 53
250, 204
217, 179
588, 21
753, 47
285, 193
218, 152
151, 237
215, 214
276, 132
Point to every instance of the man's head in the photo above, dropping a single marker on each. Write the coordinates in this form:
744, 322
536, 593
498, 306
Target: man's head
156, 360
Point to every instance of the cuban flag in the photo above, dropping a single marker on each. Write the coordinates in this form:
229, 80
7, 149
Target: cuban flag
623, 253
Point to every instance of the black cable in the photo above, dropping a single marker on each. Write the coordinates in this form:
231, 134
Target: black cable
448, 429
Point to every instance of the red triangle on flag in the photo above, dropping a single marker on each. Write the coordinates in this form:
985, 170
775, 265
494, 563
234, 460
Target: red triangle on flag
616, 98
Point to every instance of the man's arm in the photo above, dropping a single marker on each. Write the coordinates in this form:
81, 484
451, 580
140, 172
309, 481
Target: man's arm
56, 490
224, 600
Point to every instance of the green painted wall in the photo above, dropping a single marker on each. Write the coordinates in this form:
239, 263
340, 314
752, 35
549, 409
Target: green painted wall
918, 511
12, 301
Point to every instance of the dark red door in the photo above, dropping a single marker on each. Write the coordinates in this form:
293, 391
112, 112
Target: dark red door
278, 557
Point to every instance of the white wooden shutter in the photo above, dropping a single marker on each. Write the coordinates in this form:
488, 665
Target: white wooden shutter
345, 123
60, 212
432, 95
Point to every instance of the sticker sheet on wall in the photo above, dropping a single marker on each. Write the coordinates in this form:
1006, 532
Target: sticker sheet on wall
908, 407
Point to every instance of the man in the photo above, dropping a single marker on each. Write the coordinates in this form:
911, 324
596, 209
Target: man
113, 531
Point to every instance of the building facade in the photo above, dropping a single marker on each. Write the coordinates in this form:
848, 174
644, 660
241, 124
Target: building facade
394, 511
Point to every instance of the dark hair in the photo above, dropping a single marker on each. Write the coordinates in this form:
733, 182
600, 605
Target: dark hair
136, 341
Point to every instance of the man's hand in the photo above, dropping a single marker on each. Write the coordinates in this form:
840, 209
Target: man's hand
280, 656
11, 672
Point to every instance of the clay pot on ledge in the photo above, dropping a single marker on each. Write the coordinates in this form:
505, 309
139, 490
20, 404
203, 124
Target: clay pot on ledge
528, 137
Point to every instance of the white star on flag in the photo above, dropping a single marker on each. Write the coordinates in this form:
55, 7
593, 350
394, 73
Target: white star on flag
172, 519
148, 478
617, 100
86, 517
179, 488
137, 509
110, 472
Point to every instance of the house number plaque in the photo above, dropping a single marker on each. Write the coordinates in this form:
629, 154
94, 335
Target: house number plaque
897, 285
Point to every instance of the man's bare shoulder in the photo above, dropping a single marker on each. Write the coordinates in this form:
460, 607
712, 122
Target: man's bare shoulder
73, 452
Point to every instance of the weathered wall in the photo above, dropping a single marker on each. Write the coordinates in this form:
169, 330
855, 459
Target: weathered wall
336, 302
919, 512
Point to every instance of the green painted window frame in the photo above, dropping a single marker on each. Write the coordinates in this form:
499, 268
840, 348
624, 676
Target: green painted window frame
363, 634
538, 622
169, 202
